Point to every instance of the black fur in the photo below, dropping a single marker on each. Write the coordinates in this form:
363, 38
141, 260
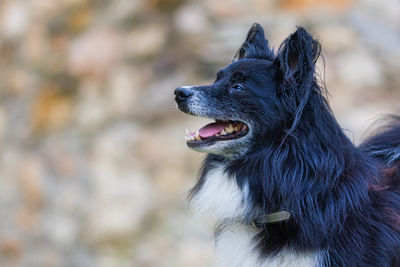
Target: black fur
344, 200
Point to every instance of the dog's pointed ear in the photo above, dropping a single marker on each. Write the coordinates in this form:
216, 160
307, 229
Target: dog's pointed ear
296, 58
255, 46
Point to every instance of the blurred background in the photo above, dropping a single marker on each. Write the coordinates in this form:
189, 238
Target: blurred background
93, 164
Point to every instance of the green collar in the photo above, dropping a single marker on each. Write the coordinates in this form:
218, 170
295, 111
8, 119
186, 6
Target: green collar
273, 217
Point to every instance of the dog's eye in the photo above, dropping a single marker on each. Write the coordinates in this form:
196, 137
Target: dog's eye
237, 87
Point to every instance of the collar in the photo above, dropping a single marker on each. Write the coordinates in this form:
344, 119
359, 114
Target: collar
274, 217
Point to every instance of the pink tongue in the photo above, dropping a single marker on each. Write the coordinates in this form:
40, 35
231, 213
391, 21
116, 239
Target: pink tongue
212, 129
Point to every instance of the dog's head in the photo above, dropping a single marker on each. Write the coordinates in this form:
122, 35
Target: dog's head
258, 97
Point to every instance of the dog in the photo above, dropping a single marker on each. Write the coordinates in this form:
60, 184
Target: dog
284, 183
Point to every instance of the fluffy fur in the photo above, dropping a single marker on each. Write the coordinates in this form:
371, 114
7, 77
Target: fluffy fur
344, 200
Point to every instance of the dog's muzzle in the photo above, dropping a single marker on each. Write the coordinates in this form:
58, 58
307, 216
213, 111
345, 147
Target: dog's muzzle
182, 95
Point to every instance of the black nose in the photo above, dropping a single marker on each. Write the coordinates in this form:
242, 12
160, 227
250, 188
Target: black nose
182, 94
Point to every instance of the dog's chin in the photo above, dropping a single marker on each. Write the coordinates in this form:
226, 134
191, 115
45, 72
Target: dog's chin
229, 149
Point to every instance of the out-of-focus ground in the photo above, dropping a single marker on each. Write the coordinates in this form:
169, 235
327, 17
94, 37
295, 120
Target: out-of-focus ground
93, 165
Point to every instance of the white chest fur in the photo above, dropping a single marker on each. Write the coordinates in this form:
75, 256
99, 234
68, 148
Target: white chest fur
223, 199
220, 197
234, 247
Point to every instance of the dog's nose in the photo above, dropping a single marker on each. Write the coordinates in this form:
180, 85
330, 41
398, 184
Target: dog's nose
182, 93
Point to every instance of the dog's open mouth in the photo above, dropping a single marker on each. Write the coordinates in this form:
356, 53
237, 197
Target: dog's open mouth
217, 131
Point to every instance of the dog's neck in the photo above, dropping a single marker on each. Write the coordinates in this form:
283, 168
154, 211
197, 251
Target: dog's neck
298, 177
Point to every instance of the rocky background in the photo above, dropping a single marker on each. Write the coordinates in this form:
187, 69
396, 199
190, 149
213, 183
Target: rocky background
93, 165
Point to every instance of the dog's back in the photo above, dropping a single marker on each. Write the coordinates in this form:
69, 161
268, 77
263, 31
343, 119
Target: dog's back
384, 148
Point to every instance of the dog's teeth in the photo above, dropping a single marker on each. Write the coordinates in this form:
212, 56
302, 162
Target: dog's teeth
223, 132
197, 135
190, 136
244, 127
229, 129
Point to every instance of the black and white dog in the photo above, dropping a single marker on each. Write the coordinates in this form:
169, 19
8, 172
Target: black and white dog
285, 184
